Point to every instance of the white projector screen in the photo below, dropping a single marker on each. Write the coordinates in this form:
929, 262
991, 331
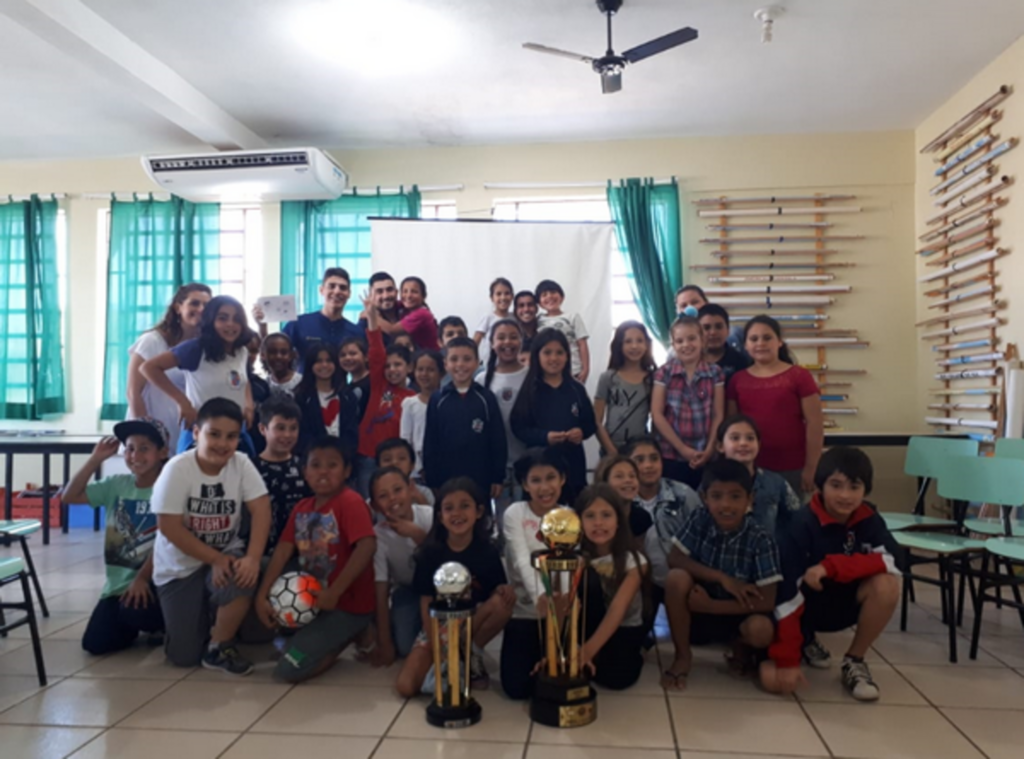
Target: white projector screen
459, 259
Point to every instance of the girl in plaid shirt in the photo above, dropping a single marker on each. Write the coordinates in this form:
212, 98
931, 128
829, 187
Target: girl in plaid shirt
687, 404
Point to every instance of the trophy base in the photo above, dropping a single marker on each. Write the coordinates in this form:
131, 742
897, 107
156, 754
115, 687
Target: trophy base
563, 702
453, 717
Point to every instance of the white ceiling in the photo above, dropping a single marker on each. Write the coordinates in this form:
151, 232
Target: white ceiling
380, 73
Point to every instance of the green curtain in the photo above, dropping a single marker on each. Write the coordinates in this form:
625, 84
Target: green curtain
31, 355
155, 246
316, 235
647, 225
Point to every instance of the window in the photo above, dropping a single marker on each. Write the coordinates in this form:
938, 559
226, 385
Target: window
152, 246
590, 208
31, 324
438, 209
241, 252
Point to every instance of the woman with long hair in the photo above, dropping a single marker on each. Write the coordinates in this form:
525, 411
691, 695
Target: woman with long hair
181, 322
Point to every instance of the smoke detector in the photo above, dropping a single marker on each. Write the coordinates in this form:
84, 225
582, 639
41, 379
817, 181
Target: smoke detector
767, 18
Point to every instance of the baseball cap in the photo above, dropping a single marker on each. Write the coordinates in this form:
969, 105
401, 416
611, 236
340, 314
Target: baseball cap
151, 428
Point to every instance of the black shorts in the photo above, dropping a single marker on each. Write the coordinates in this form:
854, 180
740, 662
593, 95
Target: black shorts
833, 608
715, 628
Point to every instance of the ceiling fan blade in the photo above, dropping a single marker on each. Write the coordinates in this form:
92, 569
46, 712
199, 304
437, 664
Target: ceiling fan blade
661, 44
555, 51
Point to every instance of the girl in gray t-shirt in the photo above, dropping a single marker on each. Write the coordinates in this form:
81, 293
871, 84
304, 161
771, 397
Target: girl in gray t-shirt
623, 401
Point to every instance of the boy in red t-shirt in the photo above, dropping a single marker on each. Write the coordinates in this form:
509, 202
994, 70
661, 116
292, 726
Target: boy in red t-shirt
333, 534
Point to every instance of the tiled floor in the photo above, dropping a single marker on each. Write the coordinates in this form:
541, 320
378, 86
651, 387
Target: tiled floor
133, 705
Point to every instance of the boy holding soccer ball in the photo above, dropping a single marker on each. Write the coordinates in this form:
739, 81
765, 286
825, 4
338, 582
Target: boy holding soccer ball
333, 534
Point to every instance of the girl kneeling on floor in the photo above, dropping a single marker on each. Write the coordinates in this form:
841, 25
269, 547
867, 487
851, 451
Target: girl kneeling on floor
461, 533
614, 631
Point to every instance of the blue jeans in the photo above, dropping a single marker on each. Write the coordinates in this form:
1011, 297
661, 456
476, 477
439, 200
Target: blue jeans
114, 626
406, 621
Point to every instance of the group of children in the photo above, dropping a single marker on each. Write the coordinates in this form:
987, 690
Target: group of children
376, 466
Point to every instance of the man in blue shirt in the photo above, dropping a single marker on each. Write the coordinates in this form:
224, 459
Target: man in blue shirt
328, 325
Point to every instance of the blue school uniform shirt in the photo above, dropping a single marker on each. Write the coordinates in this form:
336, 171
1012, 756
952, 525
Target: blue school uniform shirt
558, 409
317, 328
465, 437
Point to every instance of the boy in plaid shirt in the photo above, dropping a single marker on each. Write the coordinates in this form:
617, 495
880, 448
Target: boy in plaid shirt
723, 577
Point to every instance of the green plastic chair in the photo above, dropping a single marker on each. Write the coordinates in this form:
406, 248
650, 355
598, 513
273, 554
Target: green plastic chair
19, 530
924, 460
962, 479
1010, 448
12, 570
1006, 448
997, 480
1000, 481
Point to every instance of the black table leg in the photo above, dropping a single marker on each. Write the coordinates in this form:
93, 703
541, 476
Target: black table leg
65, 510
46, 499
949, 590
8, 485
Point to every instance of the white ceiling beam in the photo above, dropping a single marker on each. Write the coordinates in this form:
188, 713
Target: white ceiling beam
89, 39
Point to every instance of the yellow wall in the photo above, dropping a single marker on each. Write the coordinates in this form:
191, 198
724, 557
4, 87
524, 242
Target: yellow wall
877, 167
1006, 69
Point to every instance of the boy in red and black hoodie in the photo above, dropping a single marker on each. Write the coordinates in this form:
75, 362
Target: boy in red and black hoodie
839, 570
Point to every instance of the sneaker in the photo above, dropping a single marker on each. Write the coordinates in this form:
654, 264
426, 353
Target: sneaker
479, 679
227, 659
857, 680
816, 655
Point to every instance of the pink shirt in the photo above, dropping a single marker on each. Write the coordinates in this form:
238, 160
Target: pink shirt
422, 328
774, 403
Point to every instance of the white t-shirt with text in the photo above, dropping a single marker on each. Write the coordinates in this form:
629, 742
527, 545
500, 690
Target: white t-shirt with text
211, 505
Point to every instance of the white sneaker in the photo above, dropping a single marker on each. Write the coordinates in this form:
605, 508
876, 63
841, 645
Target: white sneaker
816, 655
857, 679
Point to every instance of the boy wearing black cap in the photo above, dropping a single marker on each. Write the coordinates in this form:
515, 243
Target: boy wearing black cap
128, 603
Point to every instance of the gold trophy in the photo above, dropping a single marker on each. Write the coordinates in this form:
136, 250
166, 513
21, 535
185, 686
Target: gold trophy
562, 696
451, 634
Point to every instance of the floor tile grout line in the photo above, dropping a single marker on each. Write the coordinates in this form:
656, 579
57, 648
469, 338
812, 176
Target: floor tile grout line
814, 727
291, 687
668, 699
933, 706
230, 745
49, 684
391, 725
96, 737
529, 738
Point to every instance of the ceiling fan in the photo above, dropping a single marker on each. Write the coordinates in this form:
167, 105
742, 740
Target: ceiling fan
610, 65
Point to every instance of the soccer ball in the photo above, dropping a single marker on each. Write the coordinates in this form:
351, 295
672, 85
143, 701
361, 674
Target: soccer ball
293, 598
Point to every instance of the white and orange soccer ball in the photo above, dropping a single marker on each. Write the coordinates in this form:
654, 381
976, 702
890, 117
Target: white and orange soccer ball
293, 598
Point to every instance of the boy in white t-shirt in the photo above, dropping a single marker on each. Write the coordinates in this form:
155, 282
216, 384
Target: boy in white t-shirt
404, 528
550, 296
202, 569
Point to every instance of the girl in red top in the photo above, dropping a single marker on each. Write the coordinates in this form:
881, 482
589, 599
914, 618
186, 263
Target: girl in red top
389, 369
784, 401
416, 317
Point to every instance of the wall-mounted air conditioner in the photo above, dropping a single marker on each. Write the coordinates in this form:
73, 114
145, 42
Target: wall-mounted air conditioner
247, 175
